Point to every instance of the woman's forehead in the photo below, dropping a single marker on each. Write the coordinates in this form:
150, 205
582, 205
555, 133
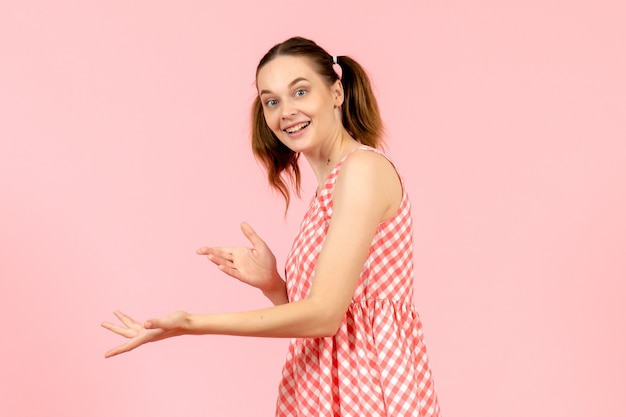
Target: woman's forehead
283, 70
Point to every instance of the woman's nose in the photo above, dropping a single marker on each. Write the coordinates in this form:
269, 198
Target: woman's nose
287, 109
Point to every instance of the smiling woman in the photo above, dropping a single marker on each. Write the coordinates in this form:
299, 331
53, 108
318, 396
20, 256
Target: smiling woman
358, 112
347, 298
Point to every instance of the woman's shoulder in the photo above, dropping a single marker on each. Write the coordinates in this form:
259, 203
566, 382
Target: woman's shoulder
368, 162
368, 176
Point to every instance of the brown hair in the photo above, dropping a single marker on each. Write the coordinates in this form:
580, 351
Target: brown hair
360, 114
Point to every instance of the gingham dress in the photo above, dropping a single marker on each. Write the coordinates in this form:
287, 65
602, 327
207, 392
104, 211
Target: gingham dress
376, 363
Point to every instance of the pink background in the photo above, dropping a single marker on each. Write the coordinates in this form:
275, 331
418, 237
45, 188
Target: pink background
124, 147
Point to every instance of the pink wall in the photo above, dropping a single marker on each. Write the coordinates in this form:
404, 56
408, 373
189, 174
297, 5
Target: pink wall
123, 147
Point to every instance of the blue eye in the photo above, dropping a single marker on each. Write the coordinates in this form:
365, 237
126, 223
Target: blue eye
271, 102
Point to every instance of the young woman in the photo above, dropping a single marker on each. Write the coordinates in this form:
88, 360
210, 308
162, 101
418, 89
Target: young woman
347, 299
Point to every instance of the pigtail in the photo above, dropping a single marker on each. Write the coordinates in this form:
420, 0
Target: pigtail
361, 116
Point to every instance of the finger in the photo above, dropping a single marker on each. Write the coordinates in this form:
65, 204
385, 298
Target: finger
156, 324
127, 320
126, 347
169, 322
249, 232
221, 262
122, 331
221, 258
233, 272
223, 253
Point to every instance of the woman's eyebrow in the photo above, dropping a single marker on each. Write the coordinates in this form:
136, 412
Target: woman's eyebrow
291, 84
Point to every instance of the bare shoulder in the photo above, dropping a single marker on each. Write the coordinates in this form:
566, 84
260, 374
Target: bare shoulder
369, 178
368, 165
363, 159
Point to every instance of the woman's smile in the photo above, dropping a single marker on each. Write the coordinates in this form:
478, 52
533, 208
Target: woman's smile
294, 130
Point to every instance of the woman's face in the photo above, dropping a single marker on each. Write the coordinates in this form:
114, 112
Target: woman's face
299, 106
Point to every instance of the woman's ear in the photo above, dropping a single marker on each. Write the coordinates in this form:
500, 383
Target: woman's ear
337, 93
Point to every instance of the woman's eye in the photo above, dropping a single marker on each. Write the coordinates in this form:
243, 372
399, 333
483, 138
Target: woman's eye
300, 92
271, 102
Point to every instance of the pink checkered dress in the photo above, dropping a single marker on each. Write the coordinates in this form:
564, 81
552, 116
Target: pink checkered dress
376, 364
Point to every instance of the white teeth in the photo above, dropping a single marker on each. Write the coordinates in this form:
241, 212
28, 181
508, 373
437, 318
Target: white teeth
297, 128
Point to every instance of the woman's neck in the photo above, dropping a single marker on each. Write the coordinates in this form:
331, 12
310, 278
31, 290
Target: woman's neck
324, 161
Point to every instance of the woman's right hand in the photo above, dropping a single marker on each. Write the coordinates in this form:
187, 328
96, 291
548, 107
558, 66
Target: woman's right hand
174, 324
255, 266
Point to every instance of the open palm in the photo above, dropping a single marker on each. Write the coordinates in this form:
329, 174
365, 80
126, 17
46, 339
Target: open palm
255, 266
141, 333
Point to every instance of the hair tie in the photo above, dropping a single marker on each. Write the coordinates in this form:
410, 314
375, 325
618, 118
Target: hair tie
335, 59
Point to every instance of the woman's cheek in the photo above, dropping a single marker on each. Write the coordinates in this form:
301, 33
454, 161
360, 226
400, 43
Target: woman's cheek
272, 121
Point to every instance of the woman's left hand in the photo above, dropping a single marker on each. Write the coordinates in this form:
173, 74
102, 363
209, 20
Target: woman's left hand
174, 324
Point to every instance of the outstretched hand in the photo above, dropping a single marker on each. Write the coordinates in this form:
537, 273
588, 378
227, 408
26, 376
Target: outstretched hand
173, 324
255, 266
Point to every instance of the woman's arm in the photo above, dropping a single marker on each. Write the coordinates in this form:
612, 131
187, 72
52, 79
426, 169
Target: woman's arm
367, 192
